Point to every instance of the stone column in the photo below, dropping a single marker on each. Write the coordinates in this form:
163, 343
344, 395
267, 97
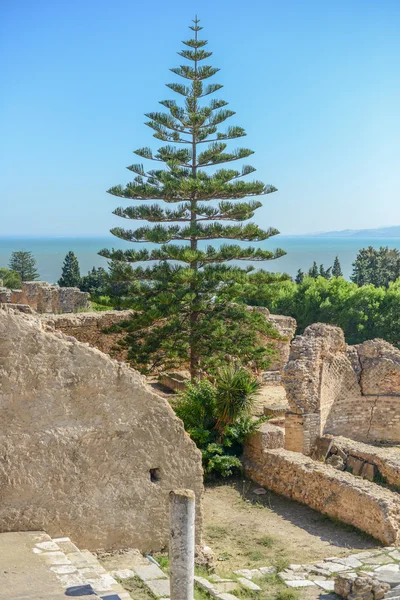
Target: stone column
181, 544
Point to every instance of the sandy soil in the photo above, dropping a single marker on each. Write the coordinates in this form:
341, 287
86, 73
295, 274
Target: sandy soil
246, 530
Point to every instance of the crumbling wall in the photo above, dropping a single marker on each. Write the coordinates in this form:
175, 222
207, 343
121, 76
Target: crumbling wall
91, 327
338, 494
46, 298
334, 388
87, 450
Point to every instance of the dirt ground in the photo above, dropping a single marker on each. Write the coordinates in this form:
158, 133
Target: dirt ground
248, 531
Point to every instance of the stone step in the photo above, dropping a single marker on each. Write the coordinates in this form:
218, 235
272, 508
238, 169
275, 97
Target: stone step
78, 571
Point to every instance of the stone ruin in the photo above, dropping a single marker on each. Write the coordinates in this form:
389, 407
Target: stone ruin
337, 448
87, 449
360, 587
334, 388
42, 297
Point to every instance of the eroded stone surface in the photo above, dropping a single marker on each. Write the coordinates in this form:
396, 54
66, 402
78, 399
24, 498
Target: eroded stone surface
79, 436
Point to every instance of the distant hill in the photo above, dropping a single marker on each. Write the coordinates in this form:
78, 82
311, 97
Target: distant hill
380, 232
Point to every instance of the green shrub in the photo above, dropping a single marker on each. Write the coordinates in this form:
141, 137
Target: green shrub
215, 416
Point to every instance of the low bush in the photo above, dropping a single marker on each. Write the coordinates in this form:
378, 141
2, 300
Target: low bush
216, 416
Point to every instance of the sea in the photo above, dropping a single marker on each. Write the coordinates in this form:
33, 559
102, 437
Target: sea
301, 251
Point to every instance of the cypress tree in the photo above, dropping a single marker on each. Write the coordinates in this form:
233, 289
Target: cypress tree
325, 273
313, 271
70, 274
337, 269
299, 277
185, 298
24, 263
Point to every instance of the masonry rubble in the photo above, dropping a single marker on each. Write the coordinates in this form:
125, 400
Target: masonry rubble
43, 297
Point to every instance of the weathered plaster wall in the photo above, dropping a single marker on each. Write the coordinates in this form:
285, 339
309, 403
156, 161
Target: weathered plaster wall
86, 449
43, 297
340, 495
352, 391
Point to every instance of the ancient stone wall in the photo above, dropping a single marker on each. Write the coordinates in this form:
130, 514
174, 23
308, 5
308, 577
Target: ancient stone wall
338, 494
87, 450
91, 327
359, 457
334, 388
46, 298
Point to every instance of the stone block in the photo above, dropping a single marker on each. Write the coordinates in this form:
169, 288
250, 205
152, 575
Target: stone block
149, 572
249, 585
159, 587
355, 465
368, 472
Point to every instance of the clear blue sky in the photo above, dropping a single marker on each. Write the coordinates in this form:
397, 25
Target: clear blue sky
315, 83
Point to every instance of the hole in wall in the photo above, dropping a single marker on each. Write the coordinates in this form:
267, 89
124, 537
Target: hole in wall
155, 475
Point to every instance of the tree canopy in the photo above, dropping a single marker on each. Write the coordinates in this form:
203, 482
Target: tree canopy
24, 263
183, 287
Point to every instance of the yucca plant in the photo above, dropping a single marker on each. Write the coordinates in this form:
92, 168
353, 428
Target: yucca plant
236, 391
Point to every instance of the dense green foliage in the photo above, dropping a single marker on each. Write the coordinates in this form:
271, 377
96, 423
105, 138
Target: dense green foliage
95, 282
185, 298
70, 274
10, 279
24, 264
378, 267
363, 312
217, 418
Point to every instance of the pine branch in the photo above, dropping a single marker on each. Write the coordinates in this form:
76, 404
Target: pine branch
161, 234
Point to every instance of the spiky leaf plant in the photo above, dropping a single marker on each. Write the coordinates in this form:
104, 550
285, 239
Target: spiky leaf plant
185, 296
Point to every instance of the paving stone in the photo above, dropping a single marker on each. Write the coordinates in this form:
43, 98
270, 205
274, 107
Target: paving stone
296, 567
393, 579
50, 546
390, 567
361, 555
77, 559
267, 570
349, 561
379, 559
89, 573
149, 572
249, 585
245, 573
299, 583
332, 567
317, 578
55, 558
123, 574
328, 585
103, 583
227, 597
291, 576
395, 554
226, 586
217, 579
63, 569
67, 546
319, 571
203, 582
72, 579
159, 587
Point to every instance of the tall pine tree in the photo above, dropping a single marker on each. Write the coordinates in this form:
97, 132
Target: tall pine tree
70, 274
24, 263
186, 298
337, 269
